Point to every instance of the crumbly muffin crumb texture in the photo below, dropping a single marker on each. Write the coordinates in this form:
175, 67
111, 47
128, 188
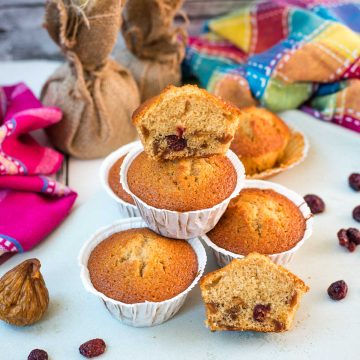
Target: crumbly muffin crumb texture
185, 122
251, 294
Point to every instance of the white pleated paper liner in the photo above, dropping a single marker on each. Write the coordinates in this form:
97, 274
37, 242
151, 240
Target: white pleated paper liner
139, 314
124, 207
224, 257
181, 225
295, 153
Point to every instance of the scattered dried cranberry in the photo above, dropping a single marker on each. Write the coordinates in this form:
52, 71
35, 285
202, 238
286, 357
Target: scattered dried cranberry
354, 181
342, 236
175, 142
92, 348
356, 213
338, 290
351, 247
315, 203
261, 312
353, 235
38, 354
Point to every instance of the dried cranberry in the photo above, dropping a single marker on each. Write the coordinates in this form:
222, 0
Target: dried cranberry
180, 131
356, 213
38, 354
315, 203
175, 142
261, 312
354, 181
338, 290
92, 348
351, 246
353, 235
342, 236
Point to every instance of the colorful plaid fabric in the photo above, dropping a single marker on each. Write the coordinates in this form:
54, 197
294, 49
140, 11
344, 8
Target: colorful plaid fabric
284, 55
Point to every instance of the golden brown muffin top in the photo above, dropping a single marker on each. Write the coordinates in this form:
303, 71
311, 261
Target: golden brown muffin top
114, 182
182, 185
259, 131
138, 265
259, 220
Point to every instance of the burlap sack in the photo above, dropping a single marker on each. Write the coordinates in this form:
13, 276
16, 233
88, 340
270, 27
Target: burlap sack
155, 49
97, 95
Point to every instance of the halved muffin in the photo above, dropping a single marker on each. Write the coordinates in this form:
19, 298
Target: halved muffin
251, 294
185, 122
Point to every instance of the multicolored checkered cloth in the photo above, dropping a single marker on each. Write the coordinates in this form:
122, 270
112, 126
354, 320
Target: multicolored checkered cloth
284, 55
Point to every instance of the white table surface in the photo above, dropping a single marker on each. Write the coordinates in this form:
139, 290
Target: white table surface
323, 329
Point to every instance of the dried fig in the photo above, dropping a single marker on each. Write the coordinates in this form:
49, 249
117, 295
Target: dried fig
24, 297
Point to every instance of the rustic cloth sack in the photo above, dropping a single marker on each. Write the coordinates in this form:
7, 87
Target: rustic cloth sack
155, 49
96, 94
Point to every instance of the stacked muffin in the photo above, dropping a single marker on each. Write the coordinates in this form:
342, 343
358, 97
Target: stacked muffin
183, 176
181, 169
186, 183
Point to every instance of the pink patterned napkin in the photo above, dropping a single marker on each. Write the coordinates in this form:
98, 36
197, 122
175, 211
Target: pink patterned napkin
31, 204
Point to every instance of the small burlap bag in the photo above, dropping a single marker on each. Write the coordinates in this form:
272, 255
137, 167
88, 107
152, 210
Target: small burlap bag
96, 94
155, 48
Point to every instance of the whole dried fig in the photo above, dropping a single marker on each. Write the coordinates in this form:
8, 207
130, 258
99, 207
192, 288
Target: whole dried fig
24, 297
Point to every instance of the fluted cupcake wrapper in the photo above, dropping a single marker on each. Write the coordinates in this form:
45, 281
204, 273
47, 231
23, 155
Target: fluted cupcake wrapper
175, 224
295, 153
129, 210
139, 314
224, 257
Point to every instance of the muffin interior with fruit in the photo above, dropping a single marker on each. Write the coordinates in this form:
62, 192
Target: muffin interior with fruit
138, 265
182, 185
251, 294
185, 122
260, 139
260, 220
114, 181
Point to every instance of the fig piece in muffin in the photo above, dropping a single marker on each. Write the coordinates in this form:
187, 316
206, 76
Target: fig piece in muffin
185, 122
251, 294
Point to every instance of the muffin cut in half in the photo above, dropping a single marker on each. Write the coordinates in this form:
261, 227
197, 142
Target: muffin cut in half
260, 139
251, 294
114, 181
138, 265
182, 185
259, 220
185, 122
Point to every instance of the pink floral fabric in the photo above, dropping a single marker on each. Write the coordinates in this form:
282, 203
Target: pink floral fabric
32, 204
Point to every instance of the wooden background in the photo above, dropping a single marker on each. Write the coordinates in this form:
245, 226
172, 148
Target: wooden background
22, 36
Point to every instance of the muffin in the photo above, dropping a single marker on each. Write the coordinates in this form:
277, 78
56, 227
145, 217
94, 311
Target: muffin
185, 122
182, 185
138, 265
260, 139
251, 294
114, 181
259, 220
